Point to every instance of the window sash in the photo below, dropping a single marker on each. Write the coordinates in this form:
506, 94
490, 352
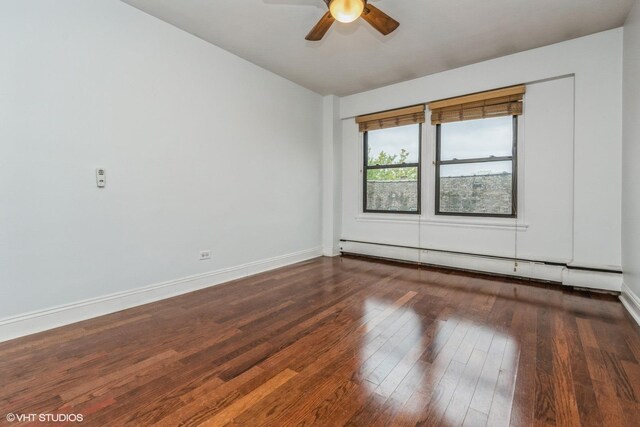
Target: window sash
394, 166
475, 160
367, 167
514, 175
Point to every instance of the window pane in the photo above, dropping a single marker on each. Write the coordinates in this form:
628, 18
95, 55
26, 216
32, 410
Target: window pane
484, 188
474, 139
394, 145
394, 189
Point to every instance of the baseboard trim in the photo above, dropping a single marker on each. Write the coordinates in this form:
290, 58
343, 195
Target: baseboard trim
330, 252
42, 320
631, 302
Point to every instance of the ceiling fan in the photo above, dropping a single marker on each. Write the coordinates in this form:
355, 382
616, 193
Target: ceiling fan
348, 11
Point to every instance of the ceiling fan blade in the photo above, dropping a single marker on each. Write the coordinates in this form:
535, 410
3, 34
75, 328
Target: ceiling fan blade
321, 28
379, 20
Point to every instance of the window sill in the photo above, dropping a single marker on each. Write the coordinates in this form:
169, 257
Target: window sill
486, 223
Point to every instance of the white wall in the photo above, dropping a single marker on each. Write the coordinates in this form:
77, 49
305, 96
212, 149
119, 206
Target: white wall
331, 175
630, 162
203, 150
570, 146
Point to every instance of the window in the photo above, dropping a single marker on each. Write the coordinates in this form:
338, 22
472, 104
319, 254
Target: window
392, 169
476, 167
476, 163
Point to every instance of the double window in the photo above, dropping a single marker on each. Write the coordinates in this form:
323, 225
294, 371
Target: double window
475, 162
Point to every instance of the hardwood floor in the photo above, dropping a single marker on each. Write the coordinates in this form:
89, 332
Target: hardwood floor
340, 341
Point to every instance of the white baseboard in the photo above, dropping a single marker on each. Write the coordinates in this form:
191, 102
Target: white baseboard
330, 252
631, 302
42, 320
502, 266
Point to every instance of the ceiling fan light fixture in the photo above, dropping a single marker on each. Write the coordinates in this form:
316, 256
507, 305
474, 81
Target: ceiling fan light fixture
346, 10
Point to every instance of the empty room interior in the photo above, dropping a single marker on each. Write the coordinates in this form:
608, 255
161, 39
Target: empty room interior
320, 212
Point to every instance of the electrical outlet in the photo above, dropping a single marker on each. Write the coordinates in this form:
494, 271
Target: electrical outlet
205, 254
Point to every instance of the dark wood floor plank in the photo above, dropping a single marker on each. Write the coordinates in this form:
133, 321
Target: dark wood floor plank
485, 389
459, 404
203, 402
603, 386
239, 406
563, 377
475, 418
340, 341
440, 397
582, 385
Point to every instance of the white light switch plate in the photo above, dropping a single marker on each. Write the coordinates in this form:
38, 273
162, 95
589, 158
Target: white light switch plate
101, 177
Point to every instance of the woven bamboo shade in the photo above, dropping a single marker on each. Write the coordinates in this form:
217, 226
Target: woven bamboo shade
493, 103
387, 119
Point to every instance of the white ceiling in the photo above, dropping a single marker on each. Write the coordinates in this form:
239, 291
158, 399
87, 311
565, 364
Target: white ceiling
434, 35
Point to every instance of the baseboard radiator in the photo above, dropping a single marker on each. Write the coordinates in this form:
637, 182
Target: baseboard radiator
580, 277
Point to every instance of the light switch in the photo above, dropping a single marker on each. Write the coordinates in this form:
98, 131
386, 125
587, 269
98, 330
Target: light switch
101, 177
